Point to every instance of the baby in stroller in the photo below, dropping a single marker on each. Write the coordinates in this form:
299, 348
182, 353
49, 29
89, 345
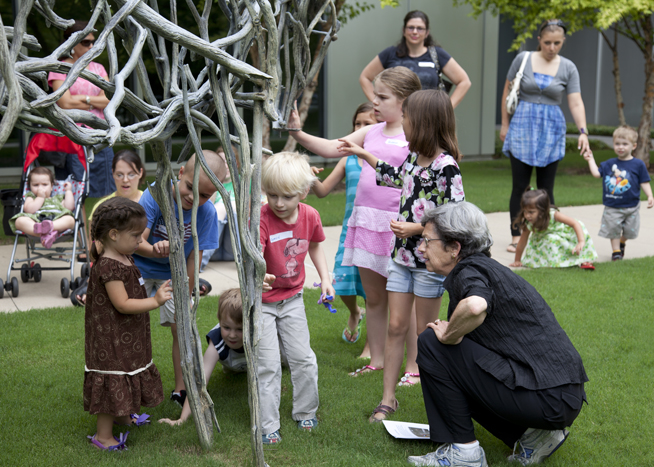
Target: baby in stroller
45, 215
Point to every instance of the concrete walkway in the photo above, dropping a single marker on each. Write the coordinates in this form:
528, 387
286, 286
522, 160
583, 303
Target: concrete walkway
222, 275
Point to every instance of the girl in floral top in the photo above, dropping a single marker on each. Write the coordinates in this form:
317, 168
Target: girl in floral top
429, 177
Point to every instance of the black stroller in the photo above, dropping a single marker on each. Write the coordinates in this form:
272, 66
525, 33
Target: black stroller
70, 165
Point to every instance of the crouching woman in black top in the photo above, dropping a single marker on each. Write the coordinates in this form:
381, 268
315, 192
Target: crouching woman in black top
501, 359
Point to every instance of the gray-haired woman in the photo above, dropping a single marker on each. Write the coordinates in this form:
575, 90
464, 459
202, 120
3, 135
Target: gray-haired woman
501, 359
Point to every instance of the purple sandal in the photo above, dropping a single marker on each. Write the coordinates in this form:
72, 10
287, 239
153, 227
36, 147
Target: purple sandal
136, 419
118, 447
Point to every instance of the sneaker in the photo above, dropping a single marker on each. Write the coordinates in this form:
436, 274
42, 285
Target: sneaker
622, 247
271, 438
180, 397
450, 455
616, 256
536, 445
307, 424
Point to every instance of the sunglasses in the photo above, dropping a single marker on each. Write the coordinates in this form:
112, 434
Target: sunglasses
87, 42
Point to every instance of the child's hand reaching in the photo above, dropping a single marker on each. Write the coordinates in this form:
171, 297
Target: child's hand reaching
577, 249
68, 186
268, 280
294, 123
403, 229
161, 249
316, 170
516, 264
348, 147
164, 293
171, 422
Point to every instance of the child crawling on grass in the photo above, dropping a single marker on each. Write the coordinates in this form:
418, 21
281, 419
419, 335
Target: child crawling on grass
225, 344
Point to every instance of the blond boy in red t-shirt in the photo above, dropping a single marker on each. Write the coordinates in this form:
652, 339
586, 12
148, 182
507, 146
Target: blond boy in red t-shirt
289, 230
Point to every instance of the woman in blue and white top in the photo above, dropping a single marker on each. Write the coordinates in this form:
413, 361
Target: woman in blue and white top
413, 53
536, 135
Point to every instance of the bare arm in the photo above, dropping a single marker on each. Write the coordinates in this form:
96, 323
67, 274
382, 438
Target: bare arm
578, 112
78, 101
647, 188
323, 187
210, 359
133, 306
32, 205
574, 223
368, 74
592, 165
459, 78
158, 250
320, 262
327, 148
522, 244
69, 198
468, 316
347, 145
505, 115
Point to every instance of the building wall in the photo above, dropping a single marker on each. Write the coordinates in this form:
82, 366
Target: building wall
473, 43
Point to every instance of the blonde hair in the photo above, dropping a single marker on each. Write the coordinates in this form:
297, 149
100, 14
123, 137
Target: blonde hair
287, 173
231, 306
626, 132
402, 81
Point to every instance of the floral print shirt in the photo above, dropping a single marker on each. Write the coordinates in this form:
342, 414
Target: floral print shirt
422, 188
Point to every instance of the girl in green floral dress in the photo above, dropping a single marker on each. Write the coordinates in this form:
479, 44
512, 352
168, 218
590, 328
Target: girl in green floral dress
550, 239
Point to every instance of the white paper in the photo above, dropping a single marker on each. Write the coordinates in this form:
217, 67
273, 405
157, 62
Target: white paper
405, 430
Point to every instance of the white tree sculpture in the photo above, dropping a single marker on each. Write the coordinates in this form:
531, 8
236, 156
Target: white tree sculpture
281, 34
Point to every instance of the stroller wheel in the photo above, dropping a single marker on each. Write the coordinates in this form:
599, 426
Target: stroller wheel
76, 283
25, 273
86, 270
2, 289
14, 287
36, 272
64, 286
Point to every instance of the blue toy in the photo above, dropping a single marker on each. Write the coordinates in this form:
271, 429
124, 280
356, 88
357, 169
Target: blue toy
323, 297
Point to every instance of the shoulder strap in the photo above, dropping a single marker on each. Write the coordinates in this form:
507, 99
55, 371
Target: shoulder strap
523, 64
434, 57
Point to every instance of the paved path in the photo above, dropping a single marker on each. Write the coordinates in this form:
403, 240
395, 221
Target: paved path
222, 275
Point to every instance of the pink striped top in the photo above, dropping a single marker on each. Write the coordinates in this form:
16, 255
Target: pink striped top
82, 86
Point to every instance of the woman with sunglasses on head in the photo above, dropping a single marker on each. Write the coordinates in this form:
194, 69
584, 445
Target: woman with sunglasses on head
416, 51
84, 95
535, 136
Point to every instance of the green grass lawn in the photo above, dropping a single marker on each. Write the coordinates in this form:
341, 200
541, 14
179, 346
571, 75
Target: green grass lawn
606, 313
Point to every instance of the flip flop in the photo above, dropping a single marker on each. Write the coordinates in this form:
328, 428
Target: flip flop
206, 286
136, 419
364, 369
118, 447
81, 291
588, 266
405, 381
358, 333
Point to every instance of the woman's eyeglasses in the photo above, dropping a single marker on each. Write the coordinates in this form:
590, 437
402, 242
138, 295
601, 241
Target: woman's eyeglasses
88, 42
427, 240
419, 29
129, 176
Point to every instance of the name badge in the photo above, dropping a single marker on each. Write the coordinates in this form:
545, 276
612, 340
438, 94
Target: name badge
141, 281
397, 142
426, 64
281, 236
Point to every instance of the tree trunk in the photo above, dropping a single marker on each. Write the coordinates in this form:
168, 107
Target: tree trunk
644, 138
617, 80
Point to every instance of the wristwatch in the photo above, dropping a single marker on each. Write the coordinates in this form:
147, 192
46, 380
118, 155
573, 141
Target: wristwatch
88, 100
583, 131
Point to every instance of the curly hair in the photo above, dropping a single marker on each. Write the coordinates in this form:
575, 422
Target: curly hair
121, 214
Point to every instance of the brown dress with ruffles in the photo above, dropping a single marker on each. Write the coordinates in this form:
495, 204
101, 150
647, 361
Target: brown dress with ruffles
117, 342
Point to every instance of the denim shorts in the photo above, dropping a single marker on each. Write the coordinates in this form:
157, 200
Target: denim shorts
419, 282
